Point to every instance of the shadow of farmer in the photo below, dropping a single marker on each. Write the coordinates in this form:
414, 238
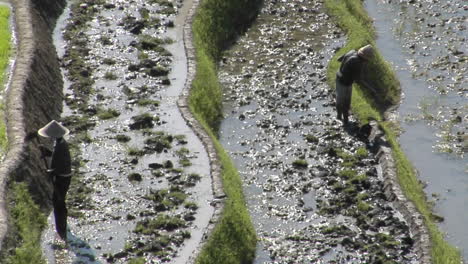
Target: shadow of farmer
75, 250
82, 251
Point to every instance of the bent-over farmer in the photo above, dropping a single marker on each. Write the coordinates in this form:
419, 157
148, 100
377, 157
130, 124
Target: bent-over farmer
349, 72
59, 170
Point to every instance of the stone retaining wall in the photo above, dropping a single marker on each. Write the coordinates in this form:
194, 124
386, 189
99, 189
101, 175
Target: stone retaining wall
182, 103
394, 193
34, 97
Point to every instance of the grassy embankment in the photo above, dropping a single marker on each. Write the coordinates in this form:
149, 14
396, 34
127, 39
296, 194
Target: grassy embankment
216, 24
27, 219
4, 57
352, 17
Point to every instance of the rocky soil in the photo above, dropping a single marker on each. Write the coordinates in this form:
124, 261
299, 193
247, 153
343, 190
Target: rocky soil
313, 188
141, 186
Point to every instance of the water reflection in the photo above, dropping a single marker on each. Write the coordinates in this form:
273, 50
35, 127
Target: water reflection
424, 44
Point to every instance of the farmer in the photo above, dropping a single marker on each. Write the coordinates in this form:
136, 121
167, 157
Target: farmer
349, 72
59, 170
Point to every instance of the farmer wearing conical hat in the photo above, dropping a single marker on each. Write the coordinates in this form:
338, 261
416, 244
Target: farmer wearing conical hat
60, 172
349, 72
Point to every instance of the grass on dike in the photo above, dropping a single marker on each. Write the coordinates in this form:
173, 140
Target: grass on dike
28, 222
5, 37
352, 17
217, 22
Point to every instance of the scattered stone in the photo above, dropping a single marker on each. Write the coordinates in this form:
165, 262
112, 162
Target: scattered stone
156, 165
142, 121
135, 177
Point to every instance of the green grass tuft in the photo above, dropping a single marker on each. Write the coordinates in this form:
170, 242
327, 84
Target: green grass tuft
105, 114
5, 52
29, 222
5, 45
233, 239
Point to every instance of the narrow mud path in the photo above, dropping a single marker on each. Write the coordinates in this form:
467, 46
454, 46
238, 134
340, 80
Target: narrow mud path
142, 186
313, 188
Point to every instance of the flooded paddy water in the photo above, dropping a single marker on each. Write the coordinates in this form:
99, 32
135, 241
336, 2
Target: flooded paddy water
141, 186
313, 188
425, 41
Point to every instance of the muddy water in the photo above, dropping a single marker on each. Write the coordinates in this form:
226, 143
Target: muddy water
426, 43
104, 227
281, 132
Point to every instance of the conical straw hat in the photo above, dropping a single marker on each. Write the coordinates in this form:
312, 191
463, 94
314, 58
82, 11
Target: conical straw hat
366, 52
53, 129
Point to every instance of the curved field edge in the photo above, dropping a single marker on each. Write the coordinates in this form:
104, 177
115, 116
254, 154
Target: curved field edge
351, 17
5, 52
25, 215
216, 24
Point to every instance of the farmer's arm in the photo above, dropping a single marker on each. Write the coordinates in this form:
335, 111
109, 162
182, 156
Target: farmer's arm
45, 151
363, 79
347, 54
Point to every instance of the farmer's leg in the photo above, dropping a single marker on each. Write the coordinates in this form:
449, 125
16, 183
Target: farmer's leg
60, 209
345, 116
346, 103
338, 99
339, 112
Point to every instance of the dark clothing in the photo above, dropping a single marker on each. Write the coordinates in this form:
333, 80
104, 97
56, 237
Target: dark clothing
61, 185
350, 69
349, 72
343, 101
60, 172
61, 161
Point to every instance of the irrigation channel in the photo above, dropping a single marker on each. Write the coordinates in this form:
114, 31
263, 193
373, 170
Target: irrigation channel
141, 186
425, 41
